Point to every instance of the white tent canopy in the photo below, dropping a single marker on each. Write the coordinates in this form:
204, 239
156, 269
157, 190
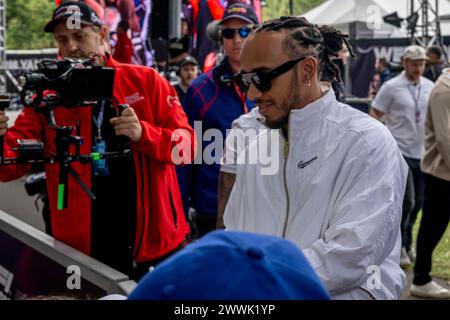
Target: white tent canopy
368, 14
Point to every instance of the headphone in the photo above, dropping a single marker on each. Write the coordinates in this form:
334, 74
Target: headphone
222, 79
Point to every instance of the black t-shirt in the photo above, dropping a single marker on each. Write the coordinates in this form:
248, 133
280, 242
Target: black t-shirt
181, 93
433, 72
113, 214
179, 46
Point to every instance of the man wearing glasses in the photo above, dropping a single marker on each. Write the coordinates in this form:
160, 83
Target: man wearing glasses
341, 179
215, 100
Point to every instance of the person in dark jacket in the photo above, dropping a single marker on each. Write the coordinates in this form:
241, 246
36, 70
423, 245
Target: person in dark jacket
188, 71
215, 101
435, 64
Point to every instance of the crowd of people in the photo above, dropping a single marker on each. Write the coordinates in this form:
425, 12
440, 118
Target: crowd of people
343, 197
404, 103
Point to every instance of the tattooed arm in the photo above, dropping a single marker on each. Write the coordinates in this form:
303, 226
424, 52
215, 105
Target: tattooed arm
226, 183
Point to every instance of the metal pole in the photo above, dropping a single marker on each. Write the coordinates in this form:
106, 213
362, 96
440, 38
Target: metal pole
425, 20
347, 78
174, 19
412, 30
3, 84
291, 7
439, 38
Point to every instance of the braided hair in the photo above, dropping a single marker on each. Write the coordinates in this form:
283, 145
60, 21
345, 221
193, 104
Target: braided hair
310, 39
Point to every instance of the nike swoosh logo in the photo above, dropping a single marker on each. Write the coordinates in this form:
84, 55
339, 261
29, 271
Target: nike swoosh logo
302, 165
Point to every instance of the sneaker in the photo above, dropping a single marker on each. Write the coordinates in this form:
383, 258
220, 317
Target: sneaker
431, 290
412, 255
404, 259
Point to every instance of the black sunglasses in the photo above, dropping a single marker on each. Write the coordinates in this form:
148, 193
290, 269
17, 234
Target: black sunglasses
243, 32
262, 80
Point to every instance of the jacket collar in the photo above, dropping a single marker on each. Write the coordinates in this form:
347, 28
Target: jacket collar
110, 62
223, 70
445, 77
316, 107
406, 81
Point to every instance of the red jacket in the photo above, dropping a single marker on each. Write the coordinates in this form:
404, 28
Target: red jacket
161, 224
123, 51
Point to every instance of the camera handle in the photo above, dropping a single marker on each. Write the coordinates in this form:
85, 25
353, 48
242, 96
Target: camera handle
121, 108
64, 171
2, 146
123, 140
4, 103
64, 140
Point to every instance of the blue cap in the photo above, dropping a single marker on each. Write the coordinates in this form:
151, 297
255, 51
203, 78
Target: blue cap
240, 11
228, 265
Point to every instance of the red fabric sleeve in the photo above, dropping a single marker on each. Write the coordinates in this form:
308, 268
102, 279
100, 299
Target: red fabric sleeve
171, 134
124, 49
28, 125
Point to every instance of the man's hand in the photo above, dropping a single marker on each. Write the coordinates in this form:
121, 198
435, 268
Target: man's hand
376, 114
3, 123
128, 125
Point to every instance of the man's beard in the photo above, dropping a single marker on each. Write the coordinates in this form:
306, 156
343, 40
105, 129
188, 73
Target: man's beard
79, 54
278, 123
94, 57
187, 82
289, 103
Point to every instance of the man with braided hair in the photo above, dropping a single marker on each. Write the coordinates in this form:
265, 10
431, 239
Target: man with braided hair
339, 186
236, 143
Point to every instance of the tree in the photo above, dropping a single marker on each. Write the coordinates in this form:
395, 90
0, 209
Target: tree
277, 8
25, 22
26, 18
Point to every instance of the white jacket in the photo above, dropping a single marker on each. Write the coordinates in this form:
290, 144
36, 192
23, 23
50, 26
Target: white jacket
236, 139
338, 195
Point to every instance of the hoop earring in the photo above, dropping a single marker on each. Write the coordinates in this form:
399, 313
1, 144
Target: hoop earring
308, 83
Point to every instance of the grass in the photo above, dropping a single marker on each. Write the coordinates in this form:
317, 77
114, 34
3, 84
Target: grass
441, 255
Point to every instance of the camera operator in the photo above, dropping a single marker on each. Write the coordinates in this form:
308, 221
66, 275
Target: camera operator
137, 219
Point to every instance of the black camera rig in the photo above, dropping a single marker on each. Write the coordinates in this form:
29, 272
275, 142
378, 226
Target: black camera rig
67, 83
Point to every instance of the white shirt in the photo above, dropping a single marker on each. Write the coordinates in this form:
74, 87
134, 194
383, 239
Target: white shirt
405, 106
338, 196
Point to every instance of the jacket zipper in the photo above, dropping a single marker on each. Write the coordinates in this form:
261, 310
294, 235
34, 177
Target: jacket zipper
141, 235
286, 154
174, 212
